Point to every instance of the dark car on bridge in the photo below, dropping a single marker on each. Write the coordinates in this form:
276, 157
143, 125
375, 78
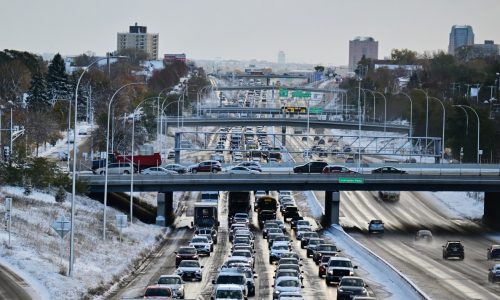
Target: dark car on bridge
336, 169
388, 170
311, 167
212, 166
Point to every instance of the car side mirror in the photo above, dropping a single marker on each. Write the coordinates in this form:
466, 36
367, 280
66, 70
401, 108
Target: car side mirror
202, 267
339, 250
366, 285
175, 252
300, 265
213, 281
301, 286
355, 267
256, 276
301, 271
272, 285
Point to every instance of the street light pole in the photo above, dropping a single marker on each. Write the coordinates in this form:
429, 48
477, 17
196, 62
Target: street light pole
426, 114
444, 119
466, 118
73, 192
411, 112
107, 155
385, 109
478, 130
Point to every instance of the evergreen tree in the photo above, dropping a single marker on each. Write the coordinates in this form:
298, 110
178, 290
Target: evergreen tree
57, 79
38, 98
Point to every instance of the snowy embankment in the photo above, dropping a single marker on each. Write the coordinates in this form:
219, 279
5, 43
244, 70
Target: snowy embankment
35, 246
467, 205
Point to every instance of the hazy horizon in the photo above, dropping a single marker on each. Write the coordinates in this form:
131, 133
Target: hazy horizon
314, 32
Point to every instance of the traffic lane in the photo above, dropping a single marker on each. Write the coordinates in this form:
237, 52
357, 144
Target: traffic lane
424, 265
161, 263
12, 286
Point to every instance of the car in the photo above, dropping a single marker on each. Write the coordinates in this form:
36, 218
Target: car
300, 231
245, 253
117, 168
453, 249
289, 261
281, 240
288, 272
493, 252
207, 232
337, 268
180, 169
324, 249
312, 244
310, 167
290, 212
364, 298
251, 165
158, 292
388, 170
350, 286
494, 273
229, 277
294, 220
271, 236
273, 230
389, 195
323, 265
241, 170
423, 235
202, 244
190, 269
305, 237
376, 226
265, 215
276, 252
349, 160
175, 283
267, 226
250, 275
183, 253
336, 169
158, 171
291, 296
212, 166
286, 284
228, 291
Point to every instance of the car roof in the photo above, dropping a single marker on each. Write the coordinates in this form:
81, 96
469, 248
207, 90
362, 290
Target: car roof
228, 287
285, 278
340, 258
170, 276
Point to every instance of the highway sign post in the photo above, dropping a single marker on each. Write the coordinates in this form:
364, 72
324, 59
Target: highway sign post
121, 222
8, 215
62, 226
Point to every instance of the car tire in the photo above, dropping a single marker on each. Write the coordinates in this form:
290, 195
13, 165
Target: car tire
102, 173
319, 275
327, 283
208, 253
194, 171
126, 172
270, 261
214, 171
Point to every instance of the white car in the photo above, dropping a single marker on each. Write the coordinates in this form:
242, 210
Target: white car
116, 168
175, 283
228, 291
190, 269
202, 244
241, 170
286, 284
158, 171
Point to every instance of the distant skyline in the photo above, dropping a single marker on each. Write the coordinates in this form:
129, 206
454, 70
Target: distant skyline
316, 31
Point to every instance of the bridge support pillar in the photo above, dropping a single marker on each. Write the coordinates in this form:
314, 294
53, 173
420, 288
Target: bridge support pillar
165, 209
177, 146
491, 214
332, 208
283, 135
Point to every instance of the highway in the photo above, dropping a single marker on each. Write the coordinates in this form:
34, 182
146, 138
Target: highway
14, 287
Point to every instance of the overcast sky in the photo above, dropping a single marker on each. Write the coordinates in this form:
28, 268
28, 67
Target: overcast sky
309, 31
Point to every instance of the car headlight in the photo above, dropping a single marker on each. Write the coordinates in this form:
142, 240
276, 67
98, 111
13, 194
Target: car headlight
277, 292
351, 273
340, 290
198, 271
330, 272
364, 291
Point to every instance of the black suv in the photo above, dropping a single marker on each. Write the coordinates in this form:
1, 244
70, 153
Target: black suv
311, 167
453, 249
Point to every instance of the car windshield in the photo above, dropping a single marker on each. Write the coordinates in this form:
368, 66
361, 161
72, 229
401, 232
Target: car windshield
229, 294
282, 238
199, 240
153, 292
287, 273
289, 283
241, 240
287, 266
340, 263
242, 253
289, 261
351, 282
187, 251
189, 264
169, 280
327, 248
231, 279
280, 247
315, 242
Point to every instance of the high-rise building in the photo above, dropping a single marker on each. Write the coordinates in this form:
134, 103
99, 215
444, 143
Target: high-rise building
359, 47
460, 35
281, 58
139, 38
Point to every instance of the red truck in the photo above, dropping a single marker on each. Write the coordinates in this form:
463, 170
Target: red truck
140, 161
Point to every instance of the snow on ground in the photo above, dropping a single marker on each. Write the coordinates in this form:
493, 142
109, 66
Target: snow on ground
35, 246
468, 205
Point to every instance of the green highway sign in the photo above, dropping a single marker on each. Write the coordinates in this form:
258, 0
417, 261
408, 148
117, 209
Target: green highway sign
351, 180
301, 94
283, 93
316, 110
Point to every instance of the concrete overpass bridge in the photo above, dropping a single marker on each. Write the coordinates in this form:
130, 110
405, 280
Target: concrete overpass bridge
275, 87
331, 184
267, 77
293, 122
